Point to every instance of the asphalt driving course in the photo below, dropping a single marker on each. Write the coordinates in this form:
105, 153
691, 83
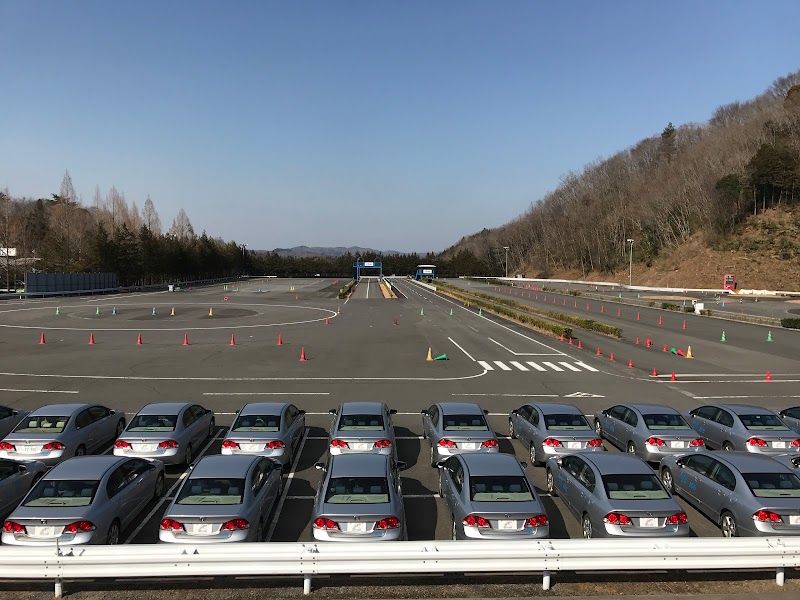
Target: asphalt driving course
374, 349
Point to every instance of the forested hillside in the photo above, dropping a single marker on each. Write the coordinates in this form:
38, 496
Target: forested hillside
694, 182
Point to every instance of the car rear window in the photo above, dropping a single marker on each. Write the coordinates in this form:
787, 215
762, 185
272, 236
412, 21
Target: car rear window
567, 422
770, 422
361, 423
211, 491
634, 487
498, 488
69, 492
357, 490
246, 423
44, 424
665, 421
464, 423
153, 423
773, 485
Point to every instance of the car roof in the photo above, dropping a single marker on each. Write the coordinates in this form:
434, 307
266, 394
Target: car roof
746, 409
163, 408
263, 408
479, 464
358, 408
553, 407
358, 465
460, 408
612, 463
647, 409
219, 465
749, 462
85, 467
59, 409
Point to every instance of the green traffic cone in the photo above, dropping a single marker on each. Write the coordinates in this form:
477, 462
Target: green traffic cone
769, 336
114, 311
722, 339
97, 312
421, 312
480, 312
451, 312
442, 357
57, 311
673, 350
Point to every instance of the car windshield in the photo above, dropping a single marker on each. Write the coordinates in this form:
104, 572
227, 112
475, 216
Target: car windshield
361, 423
500, 488
7, 469
567, 422
246, 423
634, 486
153, 423
665, 421
773, 485
464, 423
357, 490
211, 490
43, 424
770, 422
69, 492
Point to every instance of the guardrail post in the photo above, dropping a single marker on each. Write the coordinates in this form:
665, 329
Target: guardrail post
59, 588
545, 580
306, 585
780, 576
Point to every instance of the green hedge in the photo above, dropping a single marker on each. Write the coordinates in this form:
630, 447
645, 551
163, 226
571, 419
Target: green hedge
688, 309
670, 306
790, 323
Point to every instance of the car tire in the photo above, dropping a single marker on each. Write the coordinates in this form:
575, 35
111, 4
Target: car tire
551, 483
727, 447
667, 480
512, 433
630, 448
598, 429
80, 450
120, 428
187, 456
586, 525
727, 523
158, 489
212, 427
112, 537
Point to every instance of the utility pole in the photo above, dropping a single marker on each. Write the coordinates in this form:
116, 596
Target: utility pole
506, 249
630, 271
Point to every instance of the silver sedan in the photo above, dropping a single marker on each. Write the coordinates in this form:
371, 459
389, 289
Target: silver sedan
615, 495
648, 430
16, 479
550, 429
270, 429
455, 427
746, 494
84, 500
224, 499
362, 427
490, 497
743, 427
56, 432
9, 418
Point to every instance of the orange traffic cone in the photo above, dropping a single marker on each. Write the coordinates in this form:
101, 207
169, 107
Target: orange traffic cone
326, 321
185, 339
580, 345
302, 355
570, 341
673, 378
91, 339
665, 347
660, 322
630, 364
638, 317
648, 342
295, 296
561, 339
598, 353
637, 341
611, 357
619, 312
684, 324
280, 340
41, 339
655, 373
233, 340
139, 340
768, 377
602, 309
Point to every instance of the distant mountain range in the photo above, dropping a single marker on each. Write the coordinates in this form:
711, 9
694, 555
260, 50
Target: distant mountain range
300, 251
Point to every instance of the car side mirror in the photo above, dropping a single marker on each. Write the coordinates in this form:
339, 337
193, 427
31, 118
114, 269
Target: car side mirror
332, 411
515, 412
392, 411
276, 464
440, 465
208, 412
150, 466
113, 412
559, 461
401, 466
22, 469
320, 466
302, 412
486, 412
680, 463
523, 463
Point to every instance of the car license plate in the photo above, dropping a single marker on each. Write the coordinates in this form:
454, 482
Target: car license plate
252, 447
574, 445
467, 445
360, 446
356, 527
200, 528
779, 444
676, 444
144, 447
650, 522
43, 532
28, 449
506, 525
794, 519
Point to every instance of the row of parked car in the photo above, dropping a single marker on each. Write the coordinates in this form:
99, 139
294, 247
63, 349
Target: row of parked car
229, 497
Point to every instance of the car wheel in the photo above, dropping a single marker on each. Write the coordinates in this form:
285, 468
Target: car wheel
597, 428
666, 479
631, 448
112, 537
551, 483
587, 527
211, 427
120, 428
80, 450
727, 446
188, 455
511, 432
159, 488
532, 456
728, 525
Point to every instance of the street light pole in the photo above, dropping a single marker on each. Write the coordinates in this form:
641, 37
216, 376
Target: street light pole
506, 249
630, 271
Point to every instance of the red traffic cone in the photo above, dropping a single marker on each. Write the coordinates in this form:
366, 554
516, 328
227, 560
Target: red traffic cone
768, 377
570, 341
648, 342
326, 321
602, 309
395, 321
638, 317
684, 324
302, 355
561, 339
91, 339
280, 340
665, 347
655, 373
673, 378
580, 345
587, 307
598, 353
185, 339
637, 341
611, 357
139, 340
576, 304
41, 339
233, 341
630, 364
565, 301
660, 322
295, 296
619, 312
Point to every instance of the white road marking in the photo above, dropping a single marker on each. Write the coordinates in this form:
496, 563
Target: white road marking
510, 396
587, 367
265, 394
519, 366
552, 366
739, 397
486, 365
229, 379
460, 348
525, 353
40, 391
502, 365
288, 483
569, 366
536, 366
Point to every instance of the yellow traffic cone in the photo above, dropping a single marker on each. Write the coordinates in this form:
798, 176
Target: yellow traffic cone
210, 312
430, 355
689, 352
172, 314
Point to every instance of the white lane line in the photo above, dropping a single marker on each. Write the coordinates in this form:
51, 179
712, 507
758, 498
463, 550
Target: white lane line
520, 366
367, 289
473, 329
552, 366
237, 379
169, 493
502, 365
525, 353
738, 397
265, 394
585, 366
510, 396
286, 486
536, 366
486, 365
569, 366
460, 348
40, 391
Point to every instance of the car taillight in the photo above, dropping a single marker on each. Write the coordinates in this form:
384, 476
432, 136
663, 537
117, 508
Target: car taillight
754, 441
697, 442
229, 444
552, 442
795, 443
654, 441
537, 521
77, 526
234, 524
389, 523
53, 446
321, 523
168, 444
172, 524
339, 444
475, 521
382, 444
677, 518
121, 444
767, 515
6, 446
489, 444
445, 443
274, 445
617, 519
14, 527
596, 443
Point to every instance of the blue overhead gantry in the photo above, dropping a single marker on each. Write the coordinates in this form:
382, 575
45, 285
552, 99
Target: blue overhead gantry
368, 264
425, 272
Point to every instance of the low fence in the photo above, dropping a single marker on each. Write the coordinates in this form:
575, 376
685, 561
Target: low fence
309, 560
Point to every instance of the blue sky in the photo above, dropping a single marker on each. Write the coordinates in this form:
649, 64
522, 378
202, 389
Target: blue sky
396, 125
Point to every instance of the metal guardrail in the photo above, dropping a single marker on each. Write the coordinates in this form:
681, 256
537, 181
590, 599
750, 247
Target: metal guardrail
116, 290
308, 560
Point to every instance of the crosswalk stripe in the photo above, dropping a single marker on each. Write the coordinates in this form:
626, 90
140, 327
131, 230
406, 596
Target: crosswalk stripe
569, 366
486, 365
502, 365
521, 367
536, 366
552, 366
587, 367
